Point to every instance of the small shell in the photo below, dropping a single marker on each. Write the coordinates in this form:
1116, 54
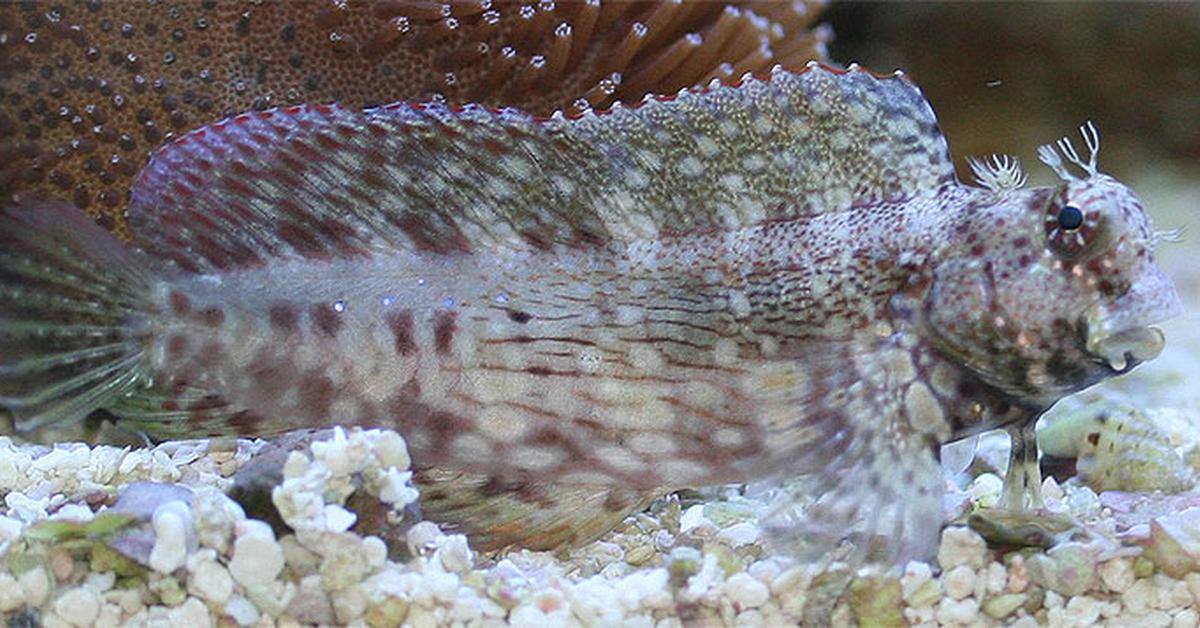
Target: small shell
1117, 448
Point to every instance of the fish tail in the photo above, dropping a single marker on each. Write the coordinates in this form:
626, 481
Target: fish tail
74, 314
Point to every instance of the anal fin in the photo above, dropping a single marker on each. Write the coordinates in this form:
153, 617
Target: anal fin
180, 413
496, 514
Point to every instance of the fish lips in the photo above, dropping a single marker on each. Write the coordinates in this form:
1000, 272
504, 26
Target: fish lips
1126, 349
1120, 334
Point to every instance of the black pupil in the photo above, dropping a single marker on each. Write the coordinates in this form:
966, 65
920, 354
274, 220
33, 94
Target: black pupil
1070, 217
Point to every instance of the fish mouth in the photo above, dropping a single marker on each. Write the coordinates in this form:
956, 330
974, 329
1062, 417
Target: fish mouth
1123, 350
1120, 334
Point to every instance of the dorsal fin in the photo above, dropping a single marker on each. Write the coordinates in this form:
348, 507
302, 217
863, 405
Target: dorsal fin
325, 180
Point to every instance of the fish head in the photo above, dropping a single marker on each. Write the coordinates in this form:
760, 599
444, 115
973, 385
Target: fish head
1049, 290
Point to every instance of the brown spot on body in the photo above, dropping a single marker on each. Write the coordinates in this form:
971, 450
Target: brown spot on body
537, 239
404, 407
620, 501
180, 303
401, 324
325, 321
284, 317
444, 326
316, 395
518, 316
368, 415
552, 438
445, 426
428, 429
272, 375
247, 423
209, 354
212, 316
177, 345
206, 403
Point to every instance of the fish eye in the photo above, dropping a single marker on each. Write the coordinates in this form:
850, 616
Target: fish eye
1070, 218
1072, 231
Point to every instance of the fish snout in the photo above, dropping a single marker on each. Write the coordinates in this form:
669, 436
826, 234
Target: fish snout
1120, 332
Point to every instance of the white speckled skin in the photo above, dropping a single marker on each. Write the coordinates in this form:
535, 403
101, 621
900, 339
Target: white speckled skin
778, 278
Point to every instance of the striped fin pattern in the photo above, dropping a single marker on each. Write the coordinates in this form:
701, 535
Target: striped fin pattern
322, 181
72, 319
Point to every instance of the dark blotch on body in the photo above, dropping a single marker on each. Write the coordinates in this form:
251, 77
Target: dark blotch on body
325, 320
284, 317
177, 344
180, 303
444, 326
316, 395
272, 374
210, 353
401, 324
212, 316
247, 423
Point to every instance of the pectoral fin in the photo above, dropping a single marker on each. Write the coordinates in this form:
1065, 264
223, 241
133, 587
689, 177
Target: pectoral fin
854, 431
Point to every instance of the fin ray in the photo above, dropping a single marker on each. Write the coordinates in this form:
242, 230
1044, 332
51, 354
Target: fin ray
323, 180
70, 314
44, 362
536, 516
849, 463
175, 414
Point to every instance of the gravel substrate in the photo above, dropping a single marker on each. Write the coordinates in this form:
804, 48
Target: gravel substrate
202, 562
108, 536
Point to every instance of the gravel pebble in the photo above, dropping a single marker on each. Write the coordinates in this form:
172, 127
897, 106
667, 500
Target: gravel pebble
961, 546
192, 613
257, 557
1117, 574
35, 584
172, 523
242, 611
78, 606
959, 582
1186, 618
745, 591
1139, 597
951, 611
11, 596
1002, 606
209, 578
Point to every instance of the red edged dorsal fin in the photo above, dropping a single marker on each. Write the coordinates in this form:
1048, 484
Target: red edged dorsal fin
320, 181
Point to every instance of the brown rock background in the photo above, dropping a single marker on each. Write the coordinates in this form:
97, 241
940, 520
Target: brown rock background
1006, 77
88, 88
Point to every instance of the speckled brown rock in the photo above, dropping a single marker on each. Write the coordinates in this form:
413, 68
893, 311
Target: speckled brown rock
89, 88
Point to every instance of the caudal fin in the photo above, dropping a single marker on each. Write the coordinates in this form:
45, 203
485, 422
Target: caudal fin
72, 314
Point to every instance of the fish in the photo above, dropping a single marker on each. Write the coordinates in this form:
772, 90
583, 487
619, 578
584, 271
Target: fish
567, 317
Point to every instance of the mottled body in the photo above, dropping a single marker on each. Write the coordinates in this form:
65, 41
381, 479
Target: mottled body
644, 362
777, 278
